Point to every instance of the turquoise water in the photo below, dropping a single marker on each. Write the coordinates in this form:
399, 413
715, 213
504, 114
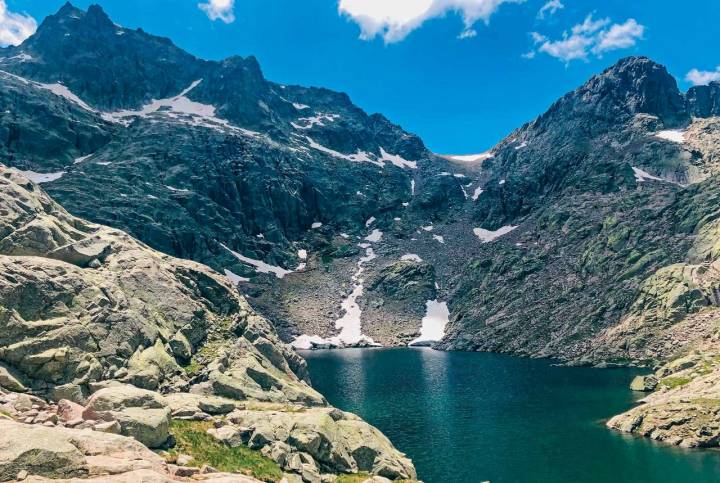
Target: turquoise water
471, 417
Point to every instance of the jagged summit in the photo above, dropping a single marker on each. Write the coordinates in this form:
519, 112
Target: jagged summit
633, 85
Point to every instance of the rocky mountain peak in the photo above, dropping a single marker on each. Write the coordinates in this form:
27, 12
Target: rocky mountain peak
640, 85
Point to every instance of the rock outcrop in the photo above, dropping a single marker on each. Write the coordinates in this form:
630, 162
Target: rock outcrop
40, 453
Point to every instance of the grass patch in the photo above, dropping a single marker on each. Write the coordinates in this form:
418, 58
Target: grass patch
193, 440
673, 382
702, 401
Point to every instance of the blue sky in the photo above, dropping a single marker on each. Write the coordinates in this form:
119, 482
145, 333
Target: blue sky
461, 95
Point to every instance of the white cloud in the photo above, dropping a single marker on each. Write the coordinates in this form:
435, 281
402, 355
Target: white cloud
14, 27
219, 10
393, 20
703, 77
550, 8
591, 36
619, 36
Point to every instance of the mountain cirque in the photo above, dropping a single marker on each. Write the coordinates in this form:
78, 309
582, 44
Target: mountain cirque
587, 235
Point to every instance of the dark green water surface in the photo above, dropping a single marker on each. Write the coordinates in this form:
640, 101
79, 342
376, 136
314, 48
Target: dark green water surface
471, 417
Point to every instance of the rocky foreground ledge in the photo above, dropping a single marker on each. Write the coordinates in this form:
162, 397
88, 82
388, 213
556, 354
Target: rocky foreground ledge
683, 408
109, 349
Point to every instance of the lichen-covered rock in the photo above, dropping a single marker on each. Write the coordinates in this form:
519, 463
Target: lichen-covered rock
63, 325
644, 383
37, 450
337, 442
74, 456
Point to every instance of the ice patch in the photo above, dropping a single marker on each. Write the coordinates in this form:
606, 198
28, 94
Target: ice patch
428, 228
259, 265
370, 221
39, 178
411, 257
437, 316
412, 188
486, 236
673, 135
299, 106
439, 238
81, 159
521, 145
316, 225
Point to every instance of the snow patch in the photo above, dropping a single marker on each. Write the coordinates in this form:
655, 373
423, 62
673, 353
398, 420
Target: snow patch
471, 158
234, 278
349, 325
411, 257
39, 178
311, 122
172, 188
673, 135
359, 157
477, 193
375, 236
370, 221
397, 160
316, 225
259, 265
437, 316
299, 106
486, 236
439, 238
302, 254
182, 110
642, 176
23, 57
